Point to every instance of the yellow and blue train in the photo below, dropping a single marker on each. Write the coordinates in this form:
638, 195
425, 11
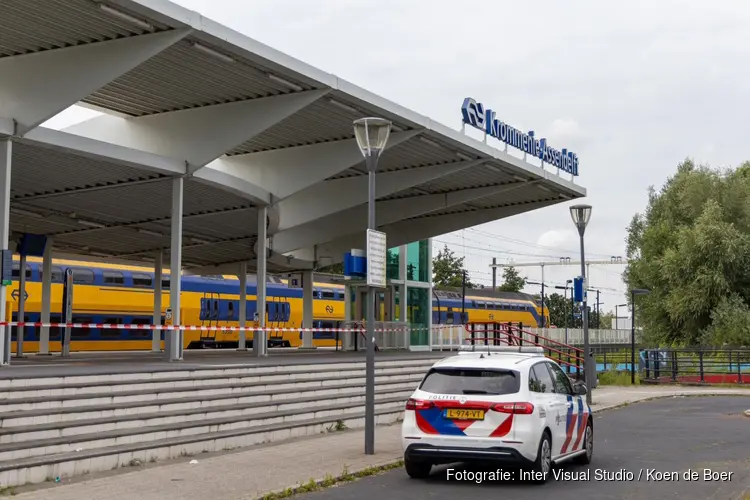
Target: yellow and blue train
118, 294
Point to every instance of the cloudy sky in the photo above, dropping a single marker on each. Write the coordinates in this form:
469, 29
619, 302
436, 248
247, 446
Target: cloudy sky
632, 87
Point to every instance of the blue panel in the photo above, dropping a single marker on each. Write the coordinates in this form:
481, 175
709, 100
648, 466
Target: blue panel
6, 270
354, 266
578, 289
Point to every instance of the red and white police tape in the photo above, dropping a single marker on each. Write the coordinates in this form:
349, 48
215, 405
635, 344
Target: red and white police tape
115, 326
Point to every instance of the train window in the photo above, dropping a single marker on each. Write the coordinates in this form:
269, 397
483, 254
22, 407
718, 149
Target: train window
55, 332
81, 333
230, 306
111, 333
328, 295
165, 283
57, 275
140, 333
113, 278
15, 270
83, 276
142, 280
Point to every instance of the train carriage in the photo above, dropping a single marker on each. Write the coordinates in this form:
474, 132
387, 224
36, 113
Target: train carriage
117, 294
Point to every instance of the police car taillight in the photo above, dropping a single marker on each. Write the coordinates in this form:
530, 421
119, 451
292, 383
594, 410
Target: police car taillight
517, 408
418, 404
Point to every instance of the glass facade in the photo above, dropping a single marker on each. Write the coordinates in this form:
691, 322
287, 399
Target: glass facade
391, 264
418, 311
412, 297
417, 257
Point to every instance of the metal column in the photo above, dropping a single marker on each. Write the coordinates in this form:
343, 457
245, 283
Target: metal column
242, 344
370, 356
46, 297
156, 334
588, 367
307, 309
260, 345
173, 338
6, 153
20, 330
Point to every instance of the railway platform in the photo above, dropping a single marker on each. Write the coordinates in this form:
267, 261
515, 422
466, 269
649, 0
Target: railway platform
135, 362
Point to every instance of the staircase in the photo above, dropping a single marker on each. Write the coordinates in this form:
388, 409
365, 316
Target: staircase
70, 426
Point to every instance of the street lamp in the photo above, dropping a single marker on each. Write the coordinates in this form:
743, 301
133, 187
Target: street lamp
633, 293
567, 282
372, 136
581, 215
617, 318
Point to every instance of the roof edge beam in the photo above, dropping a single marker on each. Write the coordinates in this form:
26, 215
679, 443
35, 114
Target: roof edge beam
340, 194
76, 72
386, 212
197, 135
287, 171
103, 151
7, 126
232, 183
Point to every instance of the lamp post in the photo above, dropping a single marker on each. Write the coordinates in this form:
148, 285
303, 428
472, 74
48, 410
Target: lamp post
372, 136
567, 282
633, 293
617, 318
581, 214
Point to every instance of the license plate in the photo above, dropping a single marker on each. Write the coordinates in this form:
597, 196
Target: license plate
460, 414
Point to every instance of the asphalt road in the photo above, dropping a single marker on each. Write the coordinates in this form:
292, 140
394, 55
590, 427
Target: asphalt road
666, 436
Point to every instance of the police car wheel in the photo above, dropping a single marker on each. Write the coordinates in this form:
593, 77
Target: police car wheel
417, 470
588, 445
542, 468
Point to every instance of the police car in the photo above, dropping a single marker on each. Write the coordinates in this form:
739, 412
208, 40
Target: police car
497, 404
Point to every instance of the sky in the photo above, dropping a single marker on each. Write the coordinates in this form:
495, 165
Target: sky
633, 88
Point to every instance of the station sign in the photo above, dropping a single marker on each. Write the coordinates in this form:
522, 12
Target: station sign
476, 115
376, 258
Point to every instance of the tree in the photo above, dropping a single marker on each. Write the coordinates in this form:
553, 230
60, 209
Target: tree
605, 322
333, 269
448, 270
691, 248
512, 282
559, 310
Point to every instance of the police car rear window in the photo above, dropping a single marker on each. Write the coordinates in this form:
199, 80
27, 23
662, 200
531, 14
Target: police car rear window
471, 381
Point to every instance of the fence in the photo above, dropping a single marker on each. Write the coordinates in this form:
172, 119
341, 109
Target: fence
712, 366
575, 336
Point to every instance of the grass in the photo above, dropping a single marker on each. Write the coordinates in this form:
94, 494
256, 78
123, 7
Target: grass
8, 491
329, 481
612, 377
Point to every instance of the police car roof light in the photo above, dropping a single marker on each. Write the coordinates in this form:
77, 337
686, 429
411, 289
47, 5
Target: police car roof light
481, 349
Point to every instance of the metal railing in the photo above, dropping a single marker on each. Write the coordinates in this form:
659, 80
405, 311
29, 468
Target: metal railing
574, 336
701, 365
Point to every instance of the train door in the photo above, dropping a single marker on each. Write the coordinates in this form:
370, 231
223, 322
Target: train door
209, 316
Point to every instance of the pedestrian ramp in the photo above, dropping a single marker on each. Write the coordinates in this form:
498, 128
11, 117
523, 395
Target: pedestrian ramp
62, 427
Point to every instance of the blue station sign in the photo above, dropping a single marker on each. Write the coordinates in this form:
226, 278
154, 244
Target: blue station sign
477, 116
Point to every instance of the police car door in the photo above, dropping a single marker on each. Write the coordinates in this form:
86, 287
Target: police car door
571, 409
542, 388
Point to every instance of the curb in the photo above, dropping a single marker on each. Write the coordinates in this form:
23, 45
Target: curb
329, 481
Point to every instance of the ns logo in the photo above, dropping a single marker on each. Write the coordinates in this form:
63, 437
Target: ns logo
473, 113
329, 309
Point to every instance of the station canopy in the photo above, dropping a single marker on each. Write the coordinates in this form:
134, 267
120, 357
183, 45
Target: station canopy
245, 126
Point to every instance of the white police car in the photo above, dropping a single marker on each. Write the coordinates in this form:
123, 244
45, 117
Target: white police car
497, 404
